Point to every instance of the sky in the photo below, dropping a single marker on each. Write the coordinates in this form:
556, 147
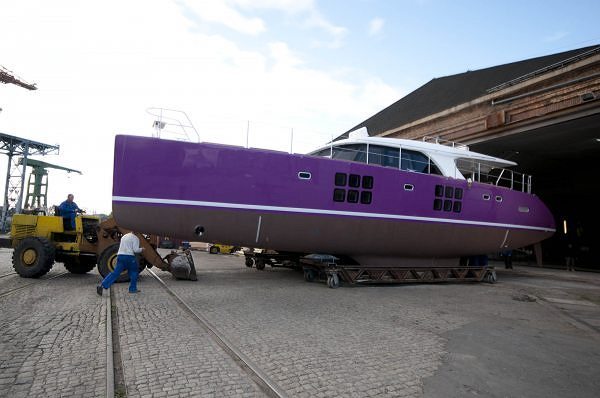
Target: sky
284, 74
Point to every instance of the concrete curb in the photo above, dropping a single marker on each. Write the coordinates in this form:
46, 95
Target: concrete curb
110, 376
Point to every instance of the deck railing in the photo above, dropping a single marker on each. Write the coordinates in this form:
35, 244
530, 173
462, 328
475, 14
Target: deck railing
441, 141
488, 174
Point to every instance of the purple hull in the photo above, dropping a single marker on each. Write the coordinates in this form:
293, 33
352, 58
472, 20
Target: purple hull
260, 198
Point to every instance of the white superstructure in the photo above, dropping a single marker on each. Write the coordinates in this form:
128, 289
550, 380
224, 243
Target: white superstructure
455, 161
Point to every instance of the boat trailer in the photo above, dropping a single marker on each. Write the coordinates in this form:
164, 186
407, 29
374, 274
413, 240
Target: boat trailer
329, 269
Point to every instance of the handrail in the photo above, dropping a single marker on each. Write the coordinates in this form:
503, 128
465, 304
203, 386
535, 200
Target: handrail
441, 141
175, 119
488, 174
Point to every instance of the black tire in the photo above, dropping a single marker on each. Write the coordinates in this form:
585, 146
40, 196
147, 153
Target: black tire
249, 262
333, 281
79, 264
107, 261
33, 257
310, 275
260, 264
214, 250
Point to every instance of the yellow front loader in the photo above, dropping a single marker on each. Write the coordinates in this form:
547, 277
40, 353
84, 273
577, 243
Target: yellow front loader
40, 240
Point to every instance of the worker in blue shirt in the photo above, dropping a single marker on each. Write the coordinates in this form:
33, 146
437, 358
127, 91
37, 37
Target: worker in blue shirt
68, 211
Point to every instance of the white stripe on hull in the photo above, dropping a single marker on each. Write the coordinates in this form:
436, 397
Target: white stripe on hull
242, 206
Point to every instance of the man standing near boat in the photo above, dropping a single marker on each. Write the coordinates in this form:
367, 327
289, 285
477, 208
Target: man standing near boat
129, 246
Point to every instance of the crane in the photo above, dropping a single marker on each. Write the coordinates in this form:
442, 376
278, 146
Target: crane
7, 77
37, 186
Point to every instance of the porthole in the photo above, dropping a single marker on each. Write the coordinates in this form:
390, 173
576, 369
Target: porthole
367, 182
366, 197
339, 195
340, 179
354, 180
304, 175
352, 196
439, 191
409, 187
523, 209
485, 196
498, 198
437, 204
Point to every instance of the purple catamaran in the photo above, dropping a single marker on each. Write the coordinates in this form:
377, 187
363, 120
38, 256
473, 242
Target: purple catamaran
377, 201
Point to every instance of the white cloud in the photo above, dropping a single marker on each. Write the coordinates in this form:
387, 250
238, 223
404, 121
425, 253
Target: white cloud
289, 6
98, 70
337, 33
230, 13
375, 26
223, 13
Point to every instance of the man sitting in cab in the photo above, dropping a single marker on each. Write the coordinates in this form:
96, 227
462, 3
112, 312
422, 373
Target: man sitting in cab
68, 211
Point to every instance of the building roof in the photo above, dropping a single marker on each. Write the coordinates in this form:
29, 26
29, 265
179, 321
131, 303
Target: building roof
446, 92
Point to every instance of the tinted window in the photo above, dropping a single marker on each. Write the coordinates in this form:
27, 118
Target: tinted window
352, 196
339, 195
366, 197
353, 152
449, 192
447, 205
457, 207
323, 152
354, 180
367, 182
384, 156
340, 179
439, 190
417, 161
458, 193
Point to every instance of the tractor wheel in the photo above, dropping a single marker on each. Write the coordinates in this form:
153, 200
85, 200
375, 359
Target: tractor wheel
33, 257
107, 261
80, 265
214, 250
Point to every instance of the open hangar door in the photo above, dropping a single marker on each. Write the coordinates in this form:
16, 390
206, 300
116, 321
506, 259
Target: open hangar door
564, 159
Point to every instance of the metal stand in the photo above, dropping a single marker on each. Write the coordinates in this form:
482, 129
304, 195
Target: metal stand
335, 274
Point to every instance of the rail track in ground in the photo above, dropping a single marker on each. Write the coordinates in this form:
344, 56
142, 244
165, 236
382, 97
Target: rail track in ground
257, 375
30, 284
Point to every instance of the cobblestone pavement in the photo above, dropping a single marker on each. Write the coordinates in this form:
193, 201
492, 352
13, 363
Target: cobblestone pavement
525, 336
370, 341
165, 353
52, 336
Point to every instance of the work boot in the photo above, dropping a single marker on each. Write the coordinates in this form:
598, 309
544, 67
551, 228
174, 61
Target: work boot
99, 289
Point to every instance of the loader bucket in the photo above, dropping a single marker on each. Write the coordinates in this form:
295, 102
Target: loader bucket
181, 265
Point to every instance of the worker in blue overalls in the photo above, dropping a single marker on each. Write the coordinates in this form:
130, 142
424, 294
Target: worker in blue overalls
68, 211
128, 248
